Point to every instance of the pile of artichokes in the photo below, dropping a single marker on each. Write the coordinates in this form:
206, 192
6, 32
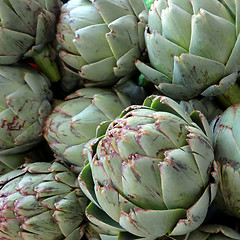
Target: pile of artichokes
119, 119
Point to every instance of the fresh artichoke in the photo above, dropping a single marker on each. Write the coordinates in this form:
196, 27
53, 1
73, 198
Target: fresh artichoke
27, 26
101, 39
74, 122
41, 201
25, 97
226, 146
194, 49
152, 173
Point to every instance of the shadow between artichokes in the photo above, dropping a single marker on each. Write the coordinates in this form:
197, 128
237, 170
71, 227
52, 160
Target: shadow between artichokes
194, 48
153, 172
208, 106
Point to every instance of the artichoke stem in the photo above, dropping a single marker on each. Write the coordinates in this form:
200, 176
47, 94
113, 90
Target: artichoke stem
230, 97
46, 63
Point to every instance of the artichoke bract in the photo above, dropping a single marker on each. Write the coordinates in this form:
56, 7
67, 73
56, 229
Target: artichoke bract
213, 232
194, 48
101, 39
25, 98
204, 232
41, 201
26, 29
226, 146
208, 106
74, 122
153, 172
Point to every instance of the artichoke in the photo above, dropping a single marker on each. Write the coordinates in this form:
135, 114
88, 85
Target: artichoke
101, 39
226, 146
41, 201
134, 91
194, 49
24, 105
27, 26
74, 122
152, 173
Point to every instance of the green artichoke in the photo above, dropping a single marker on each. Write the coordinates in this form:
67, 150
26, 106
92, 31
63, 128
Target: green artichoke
226, 146
101, 39
194, 49
152, 173
74, 122
41, 201
27, 26
24, 105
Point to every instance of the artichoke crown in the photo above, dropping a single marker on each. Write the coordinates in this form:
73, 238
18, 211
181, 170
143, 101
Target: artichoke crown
74, 122
37, 201
193, 47
24, 105
26, 27
102, 45
138, 164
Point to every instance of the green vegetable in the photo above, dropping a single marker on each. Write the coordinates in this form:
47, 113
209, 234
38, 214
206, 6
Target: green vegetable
101, 39
74, 122
27, 30
226, 146
193, 49
41, 201
25, 98
152, 173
